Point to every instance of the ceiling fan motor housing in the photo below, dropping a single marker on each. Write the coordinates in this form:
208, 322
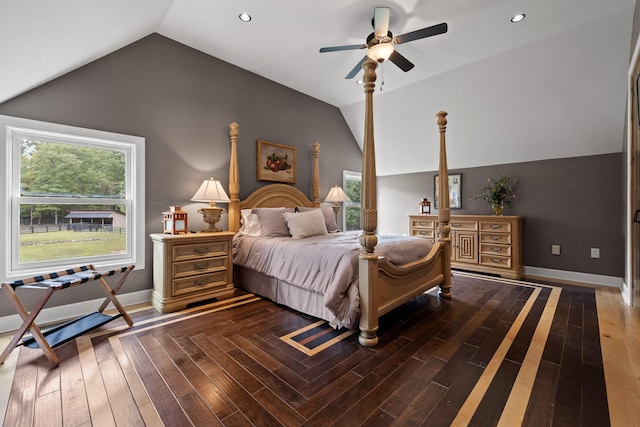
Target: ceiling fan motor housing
373, 40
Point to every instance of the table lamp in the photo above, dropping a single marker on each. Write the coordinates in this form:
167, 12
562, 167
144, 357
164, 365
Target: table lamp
211, 191
337, 195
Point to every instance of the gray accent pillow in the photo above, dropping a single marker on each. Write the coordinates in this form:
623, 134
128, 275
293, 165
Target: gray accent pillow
272, 222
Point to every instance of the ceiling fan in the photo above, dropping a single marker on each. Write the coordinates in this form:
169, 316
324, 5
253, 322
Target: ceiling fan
380, 43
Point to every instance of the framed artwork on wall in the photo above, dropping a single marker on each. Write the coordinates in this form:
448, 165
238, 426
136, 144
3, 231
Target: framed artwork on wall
276, 162
455, 191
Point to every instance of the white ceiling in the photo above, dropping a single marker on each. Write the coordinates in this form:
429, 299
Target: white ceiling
572, 44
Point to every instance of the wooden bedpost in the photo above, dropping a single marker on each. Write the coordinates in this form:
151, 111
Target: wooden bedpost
444, 213
368, 262
316, 175
234, 181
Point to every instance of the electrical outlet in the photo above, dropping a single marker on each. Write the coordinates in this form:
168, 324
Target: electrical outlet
555, 249
595, 252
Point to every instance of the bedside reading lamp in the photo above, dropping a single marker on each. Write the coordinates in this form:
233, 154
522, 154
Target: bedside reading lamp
211, 191
336, 195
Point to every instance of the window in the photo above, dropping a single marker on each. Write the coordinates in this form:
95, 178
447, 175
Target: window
352, 184
73, 196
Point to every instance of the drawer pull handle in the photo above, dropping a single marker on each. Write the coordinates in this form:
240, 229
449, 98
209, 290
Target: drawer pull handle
498, 250
202, 266
423, 224
423, 233
495, 227
498, 238
456, 225
496, 261
201, 251
200, 283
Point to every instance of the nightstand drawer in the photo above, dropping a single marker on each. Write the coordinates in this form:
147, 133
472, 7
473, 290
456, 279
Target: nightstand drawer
200, 282
199, 266
200, 250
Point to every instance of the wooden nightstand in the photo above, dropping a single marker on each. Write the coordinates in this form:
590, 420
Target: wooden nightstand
190, 268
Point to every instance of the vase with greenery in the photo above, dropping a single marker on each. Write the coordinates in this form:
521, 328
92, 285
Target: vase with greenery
498, 193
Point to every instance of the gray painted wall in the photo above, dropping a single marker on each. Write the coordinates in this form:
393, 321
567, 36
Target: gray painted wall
572, 202
182, 102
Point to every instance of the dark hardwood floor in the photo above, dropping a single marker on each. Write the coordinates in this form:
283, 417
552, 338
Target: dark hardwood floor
499, 353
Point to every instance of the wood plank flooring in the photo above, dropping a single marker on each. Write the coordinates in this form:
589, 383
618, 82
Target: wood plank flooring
500, 352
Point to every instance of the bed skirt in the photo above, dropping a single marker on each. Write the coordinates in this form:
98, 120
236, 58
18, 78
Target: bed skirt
283, 293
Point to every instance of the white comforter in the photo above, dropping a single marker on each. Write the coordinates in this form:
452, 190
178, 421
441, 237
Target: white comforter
327, 265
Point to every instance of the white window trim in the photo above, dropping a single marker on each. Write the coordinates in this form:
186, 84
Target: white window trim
346, 174
135, 191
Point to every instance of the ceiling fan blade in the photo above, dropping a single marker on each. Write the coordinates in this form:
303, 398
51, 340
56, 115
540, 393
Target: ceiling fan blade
346, 47
403, 63
356, 69
420, 34
381, 17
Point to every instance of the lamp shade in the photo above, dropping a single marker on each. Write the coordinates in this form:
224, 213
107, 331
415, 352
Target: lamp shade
337, 195
210, 191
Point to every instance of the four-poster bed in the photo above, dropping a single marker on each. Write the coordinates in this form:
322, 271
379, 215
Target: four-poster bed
383, 283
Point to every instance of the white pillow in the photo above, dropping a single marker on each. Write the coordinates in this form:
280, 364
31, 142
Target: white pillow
250, 223
329, 217
306, 224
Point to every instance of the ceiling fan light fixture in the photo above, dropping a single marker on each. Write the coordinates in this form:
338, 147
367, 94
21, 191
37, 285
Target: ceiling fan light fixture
517, 18
380, 52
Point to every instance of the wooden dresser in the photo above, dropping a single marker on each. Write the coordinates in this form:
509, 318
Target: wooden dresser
191, 267
483, 243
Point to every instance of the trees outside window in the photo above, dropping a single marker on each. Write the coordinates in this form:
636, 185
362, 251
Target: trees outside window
352, 184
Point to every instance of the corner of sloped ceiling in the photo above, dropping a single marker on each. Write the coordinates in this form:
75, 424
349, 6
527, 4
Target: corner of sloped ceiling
562, 96
64, 36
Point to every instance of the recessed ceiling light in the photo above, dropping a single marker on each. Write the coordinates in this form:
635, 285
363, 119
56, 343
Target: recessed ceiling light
519, 17
244, 17
359, 82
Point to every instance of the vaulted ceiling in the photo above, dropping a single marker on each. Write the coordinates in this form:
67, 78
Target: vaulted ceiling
553, 85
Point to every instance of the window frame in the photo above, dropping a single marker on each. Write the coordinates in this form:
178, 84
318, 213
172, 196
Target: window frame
348, 175
14, 129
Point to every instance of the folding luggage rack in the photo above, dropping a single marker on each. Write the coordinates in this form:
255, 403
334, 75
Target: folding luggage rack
50, 283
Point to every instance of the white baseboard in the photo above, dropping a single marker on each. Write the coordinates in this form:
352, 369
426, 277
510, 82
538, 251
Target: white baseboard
69, 311
575, 277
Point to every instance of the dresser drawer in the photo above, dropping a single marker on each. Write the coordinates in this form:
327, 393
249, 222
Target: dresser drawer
200, 250
464, 225
199, 283
422, 223
495, 261
497, 226
504, 239
493, 249
428, 234
199, 266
